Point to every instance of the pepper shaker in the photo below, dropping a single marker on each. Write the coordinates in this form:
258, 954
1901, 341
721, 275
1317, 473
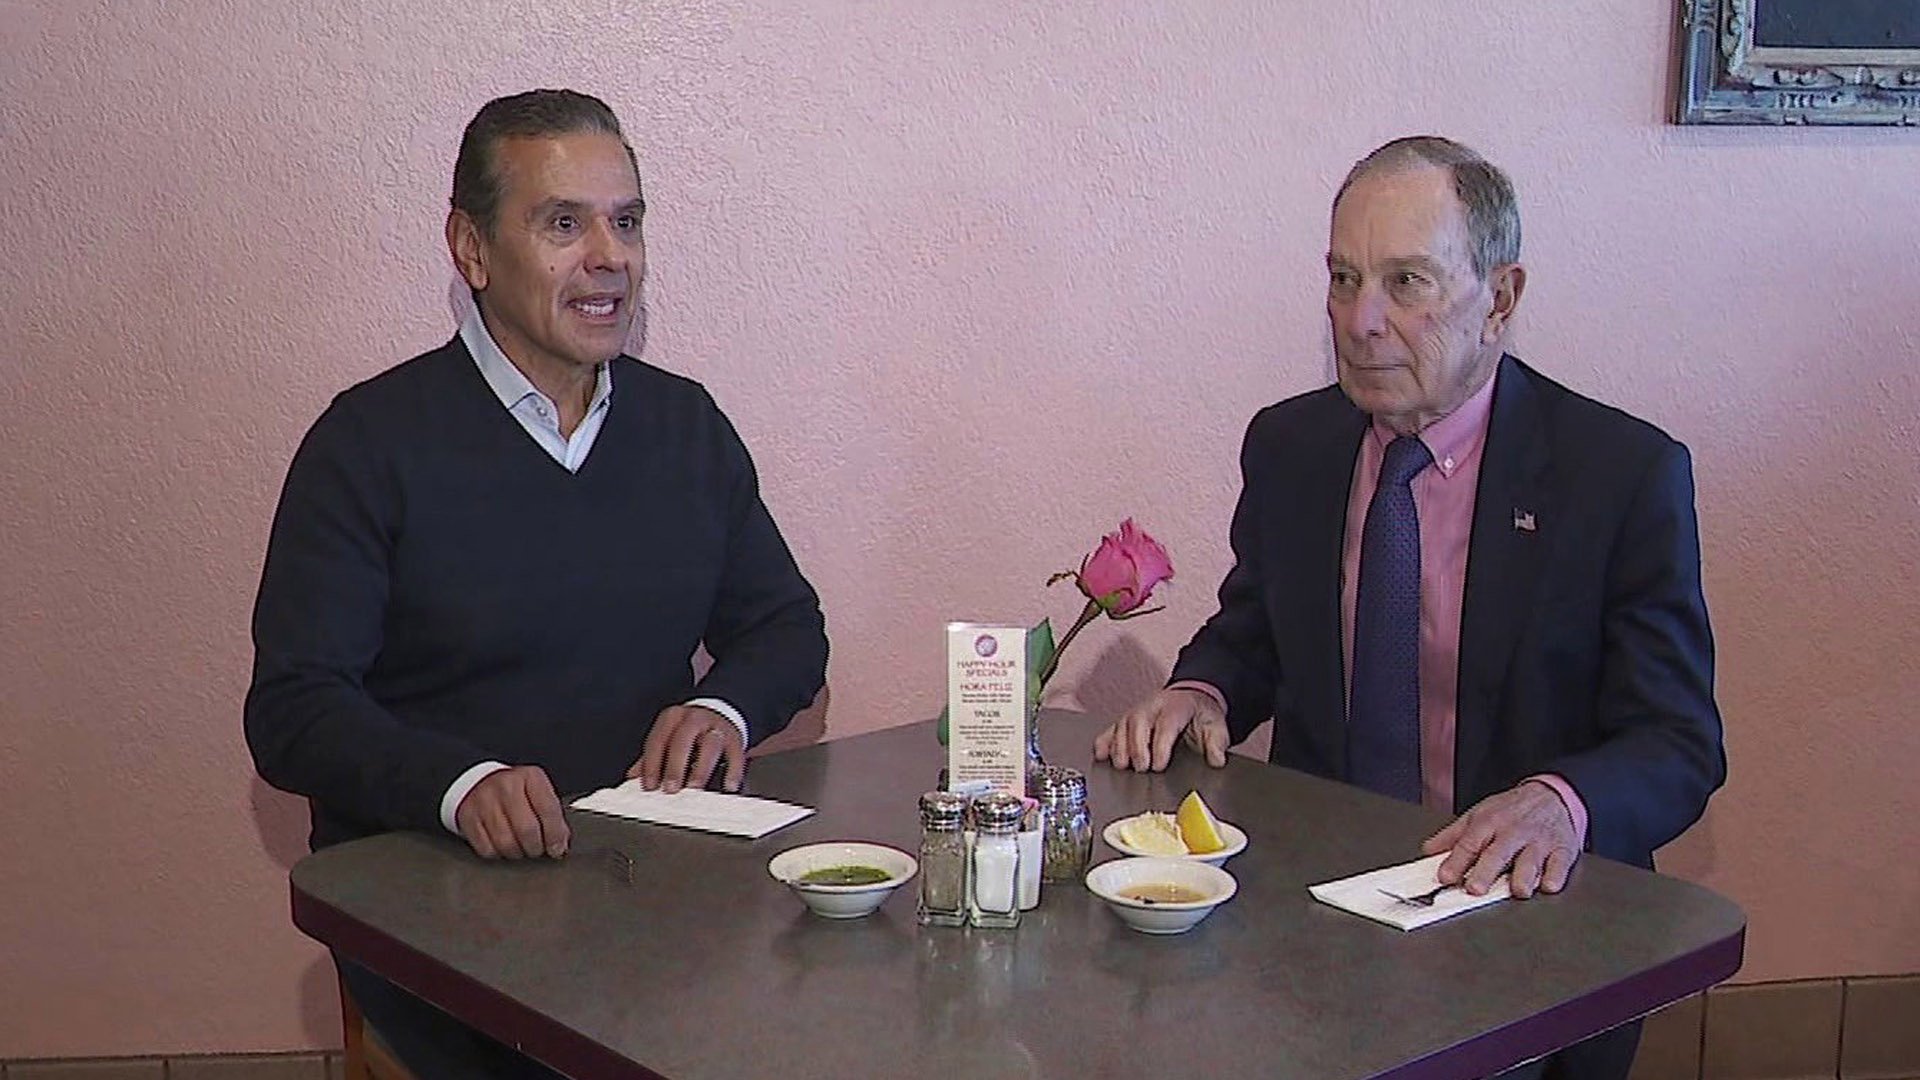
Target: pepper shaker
1067, 843
943, 859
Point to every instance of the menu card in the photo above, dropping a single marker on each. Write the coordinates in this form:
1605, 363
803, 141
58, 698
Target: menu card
987, 706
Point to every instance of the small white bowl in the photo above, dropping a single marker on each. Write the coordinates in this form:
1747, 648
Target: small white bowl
842, 901
1236, 843
1109, 879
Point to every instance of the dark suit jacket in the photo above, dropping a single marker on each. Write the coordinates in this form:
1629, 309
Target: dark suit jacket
1584, 644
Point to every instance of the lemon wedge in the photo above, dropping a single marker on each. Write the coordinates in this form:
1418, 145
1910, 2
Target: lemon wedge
1198, 828
1152, 833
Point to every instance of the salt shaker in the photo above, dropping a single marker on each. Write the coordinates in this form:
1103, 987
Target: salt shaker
993, 892
943, 859
1068, 828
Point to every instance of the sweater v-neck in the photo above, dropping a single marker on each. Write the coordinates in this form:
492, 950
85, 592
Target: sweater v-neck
504, 425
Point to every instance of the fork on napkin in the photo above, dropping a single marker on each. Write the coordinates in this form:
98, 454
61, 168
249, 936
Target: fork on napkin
1408, 896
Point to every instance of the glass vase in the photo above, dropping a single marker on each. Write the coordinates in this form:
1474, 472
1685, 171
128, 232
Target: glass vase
1035, 762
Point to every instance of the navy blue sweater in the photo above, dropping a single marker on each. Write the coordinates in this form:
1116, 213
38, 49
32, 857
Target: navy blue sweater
438, 591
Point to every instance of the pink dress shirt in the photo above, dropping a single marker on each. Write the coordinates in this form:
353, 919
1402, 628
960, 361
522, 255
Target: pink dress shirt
1443, 496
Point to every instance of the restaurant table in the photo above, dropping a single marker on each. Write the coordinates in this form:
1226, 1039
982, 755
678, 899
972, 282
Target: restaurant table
695, 963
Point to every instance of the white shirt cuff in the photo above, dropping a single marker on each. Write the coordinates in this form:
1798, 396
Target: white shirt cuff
458, 790
725, 710
467, 781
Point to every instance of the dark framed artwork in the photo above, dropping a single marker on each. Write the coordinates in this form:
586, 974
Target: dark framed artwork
1799, 62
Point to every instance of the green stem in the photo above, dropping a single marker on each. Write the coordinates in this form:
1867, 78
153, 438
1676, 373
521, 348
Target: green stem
1087, 615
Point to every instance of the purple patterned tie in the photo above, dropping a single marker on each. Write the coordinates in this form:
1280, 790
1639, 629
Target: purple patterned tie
1383, 725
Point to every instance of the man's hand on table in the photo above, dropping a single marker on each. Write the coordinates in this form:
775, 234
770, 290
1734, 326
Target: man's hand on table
1526, 828
1143, 739
685, 745
514, 814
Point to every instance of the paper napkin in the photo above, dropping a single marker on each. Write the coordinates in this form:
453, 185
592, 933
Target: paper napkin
1366, 894
694, 808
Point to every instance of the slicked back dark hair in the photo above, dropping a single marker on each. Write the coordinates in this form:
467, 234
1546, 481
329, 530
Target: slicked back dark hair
1493, 211
535, 113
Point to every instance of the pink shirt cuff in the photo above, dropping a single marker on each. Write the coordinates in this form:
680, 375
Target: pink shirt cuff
1205, 688
1576, 809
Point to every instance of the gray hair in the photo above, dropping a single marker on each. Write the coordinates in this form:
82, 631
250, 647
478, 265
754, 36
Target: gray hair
1493, 213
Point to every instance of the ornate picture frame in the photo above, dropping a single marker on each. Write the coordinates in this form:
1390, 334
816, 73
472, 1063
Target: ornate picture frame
1729, 74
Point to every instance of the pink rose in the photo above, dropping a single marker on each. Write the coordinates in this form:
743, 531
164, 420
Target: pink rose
1121, 574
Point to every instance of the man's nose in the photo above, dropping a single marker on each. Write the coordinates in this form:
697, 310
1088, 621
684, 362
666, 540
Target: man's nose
1370, 311
605, 251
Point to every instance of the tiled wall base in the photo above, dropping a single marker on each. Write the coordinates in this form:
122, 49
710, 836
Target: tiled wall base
218, 1067
1809, 1029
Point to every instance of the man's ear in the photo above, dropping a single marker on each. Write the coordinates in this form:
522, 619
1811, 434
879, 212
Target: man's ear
1507, 283
467, 245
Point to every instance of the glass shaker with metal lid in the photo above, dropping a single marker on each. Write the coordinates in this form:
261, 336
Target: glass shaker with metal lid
943, 859
1067, 831
993, 890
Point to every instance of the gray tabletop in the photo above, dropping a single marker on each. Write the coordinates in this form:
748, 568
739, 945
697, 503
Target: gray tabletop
703, 966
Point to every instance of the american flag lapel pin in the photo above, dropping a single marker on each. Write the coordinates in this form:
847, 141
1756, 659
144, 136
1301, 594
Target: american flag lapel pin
1522, 520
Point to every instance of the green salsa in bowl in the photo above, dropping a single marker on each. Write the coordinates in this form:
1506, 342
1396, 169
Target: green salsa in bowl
843, 879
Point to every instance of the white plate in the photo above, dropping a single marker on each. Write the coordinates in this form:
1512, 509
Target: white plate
1236, 843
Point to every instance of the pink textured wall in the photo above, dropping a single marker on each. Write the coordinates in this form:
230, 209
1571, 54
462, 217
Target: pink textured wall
904, 243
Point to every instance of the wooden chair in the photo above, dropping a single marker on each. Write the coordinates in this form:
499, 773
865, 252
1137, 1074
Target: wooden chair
367, 1056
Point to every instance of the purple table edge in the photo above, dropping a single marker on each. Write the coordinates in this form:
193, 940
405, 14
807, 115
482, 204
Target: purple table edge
565, 1049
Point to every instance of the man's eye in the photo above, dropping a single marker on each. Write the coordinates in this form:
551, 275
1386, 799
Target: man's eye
1342, 279
626, 222
1407, 278
565, 222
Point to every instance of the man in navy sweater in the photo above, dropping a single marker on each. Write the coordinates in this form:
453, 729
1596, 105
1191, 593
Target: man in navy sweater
491, 565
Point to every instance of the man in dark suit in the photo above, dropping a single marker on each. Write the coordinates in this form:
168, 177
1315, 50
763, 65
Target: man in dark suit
1457, 582
492, 564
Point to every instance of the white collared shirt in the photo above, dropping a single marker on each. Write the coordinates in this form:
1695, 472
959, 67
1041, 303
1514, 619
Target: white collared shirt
540, 418
536, 412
